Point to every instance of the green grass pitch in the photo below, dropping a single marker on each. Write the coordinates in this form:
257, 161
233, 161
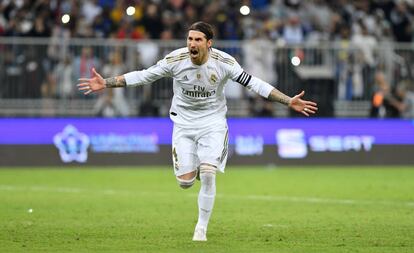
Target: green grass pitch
258, 209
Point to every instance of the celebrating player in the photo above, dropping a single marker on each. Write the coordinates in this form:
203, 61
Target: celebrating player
198, 109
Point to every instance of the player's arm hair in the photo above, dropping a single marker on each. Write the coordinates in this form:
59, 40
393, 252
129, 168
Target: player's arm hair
115, 82
278, 96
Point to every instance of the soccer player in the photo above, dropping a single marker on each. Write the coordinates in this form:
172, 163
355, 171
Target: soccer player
198, 109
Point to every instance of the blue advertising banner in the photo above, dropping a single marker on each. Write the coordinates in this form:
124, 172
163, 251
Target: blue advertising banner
43, 131
76, 139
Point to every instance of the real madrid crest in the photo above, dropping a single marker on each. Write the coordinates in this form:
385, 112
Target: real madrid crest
213, 78
198, 75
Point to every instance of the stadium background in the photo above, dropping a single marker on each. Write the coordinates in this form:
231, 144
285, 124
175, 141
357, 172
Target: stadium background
352, 57
332, 182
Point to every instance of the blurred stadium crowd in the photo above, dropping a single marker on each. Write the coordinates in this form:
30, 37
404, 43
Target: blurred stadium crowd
294, 21
362, 24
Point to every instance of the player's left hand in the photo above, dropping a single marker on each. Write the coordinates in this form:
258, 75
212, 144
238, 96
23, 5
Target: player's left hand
303, 106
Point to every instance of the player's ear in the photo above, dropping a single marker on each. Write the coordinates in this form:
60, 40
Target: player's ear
209, 43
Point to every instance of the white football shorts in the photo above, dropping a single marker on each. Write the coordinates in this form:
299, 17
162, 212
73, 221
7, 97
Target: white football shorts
193, 146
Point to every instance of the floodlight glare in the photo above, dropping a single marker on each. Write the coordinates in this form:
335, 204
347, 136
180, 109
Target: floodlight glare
130, 10
295, 61
245, 10
65, 19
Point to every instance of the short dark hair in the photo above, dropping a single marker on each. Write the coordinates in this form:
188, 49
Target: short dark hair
203, 27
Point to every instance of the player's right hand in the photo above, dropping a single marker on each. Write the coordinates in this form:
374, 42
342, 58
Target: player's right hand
89, 85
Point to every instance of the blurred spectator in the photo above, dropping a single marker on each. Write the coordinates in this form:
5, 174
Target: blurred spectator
152, 22
366, 43
102, 25
117, 13
409, 101
381, 27
166, 35
83, 29
343, 65
364, 61
401, 21
12, 74
104, 106
319, 15
293, 32
395, 102
190, 15
406, 101
107, 3
112, 103
127, 30
382, 90
83, 63
40, 28
90, 10
33, 75
148, 52
259, 58
63, 77
171, 22
3, 21
58, 46
387, 102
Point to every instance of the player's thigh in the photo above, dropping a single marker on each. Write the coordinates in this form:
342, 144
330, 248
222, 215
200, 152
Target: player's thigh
213, 145
184, 153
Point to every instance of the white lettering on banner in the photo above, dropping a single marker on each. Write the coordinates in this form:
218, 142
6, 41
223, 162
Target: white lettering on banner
335, 143
249, 145
131, 143
291, 143
73, 145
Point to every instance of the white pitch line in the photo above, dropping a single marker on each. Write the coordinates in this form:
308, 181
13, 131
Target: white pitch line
273, 198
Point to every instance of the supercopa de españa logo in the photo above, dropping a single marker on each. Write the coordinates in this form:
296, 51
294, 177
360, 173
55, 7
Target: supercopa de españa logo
72, 144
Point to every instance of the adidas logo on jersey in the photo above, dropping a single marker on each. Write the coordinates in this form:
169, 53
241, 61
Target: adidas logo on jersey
185, 78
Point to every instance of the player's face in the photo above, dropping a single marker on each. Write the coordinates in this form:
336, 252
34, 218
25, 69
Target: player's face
198, 46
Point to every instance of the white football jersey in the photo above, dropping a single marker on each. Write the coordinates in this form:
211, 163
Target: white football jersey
198, 89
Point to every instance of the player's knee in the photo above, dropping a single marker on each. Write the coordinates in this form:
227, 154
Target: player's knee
187, 180
207, 172
207, 169
185, 184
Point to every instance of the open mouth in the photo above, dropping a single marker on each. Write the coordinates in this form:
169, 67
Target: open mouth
193, 52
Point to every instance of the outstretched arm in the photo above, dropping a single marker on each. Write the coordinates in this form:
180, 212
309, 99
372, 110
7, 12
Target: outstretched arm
134, 78
266, 90
97, 83
296, 103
